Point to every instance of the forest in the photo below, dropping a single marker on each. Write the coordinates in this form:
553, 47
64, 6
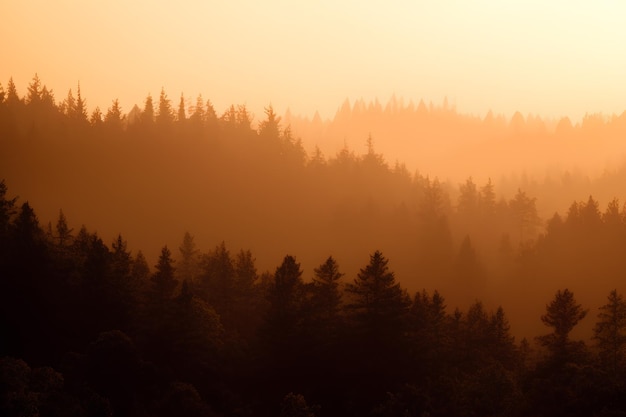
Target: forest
173, 261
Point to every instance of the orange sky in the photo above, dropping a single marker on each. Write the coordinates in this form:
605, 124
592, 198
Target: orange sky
552, 58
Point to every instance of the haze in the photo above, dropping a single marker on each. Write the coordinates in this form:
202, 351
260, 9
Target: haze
279, 208
550, 59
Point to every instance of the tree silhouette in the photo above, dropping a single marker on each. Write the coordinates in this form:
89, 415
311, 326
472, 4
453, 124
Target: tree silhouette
270, 128
562, 314
610, 332
326, 287
188, 266
33, 97
114, 118
377, 302
12, 98
286, 297
80, 109
524, 214
165, 116
63, 232
163, 279
147, 115
7, 210
181, 116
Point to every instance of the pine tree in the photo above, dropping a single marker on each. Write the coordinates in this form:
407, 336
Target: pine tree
147, 115
114, 118
63, 232
198, 115
95, 120
165, 117
270, 127
610, 332
217, 281
487, 201
69, 105
80, 111
327, 298
7, 210
33, 97
140, 269
163, 280
188, 266
468, 200
286, 297
12, 98
378, 303
524, 215
182, 116
562, 315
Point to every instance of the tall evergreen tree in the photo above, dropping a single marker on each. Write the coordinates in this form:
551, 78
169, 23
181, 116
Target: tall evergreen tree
610, 332
188, 267
95, 120
270, 127
12, 98
63, 232
165, 116
147, 115
7, 210
562, 315
33, 97
327, 297
163, 280
69, 105
182, 116
114, 118
80, 111
377, 302
286, 297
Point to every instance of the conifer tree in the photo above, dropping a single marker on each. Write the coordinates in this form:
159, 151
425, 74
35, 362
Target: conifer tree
326, 286
163, 280
80, 111
7, 210
198, 110
12, 98
188, 266
140, 269
270, 127
182, 116
147, 115
165, 117
63, 232
378, 303
285, 296
610, 331
562, 315
95, 120
33, 97
69, 104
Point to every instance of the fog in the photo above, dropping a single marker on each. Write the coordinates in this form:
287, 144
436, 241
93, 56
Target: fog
505, 211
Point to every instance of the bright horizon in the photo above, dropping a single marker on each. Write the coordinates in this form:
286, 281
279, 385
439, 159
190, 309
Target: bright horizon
552, 60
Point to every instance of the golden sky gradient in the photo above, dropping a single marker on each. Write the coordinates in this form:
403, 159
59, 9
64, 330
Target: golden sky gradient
557, 58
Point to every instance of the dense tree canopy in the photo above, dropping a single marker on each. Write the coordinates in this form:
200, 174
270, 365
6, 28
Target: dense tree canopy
89, 325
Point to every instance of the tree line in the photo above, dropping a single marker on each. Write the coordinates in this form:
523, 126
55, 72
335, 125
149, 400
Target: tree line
91, 329
94, 326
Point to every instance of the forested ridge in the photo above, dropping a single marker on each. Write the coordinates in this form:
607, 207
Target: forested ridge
380, 292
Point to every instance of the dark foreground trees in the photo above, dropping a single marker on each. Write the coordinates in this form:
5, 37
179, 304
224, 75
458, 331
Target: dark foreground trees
89, 329
610, 333
562, 314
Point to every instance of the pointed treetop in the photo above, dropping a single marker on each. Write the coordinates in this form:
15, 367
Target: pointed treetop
34, 91
182, 116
